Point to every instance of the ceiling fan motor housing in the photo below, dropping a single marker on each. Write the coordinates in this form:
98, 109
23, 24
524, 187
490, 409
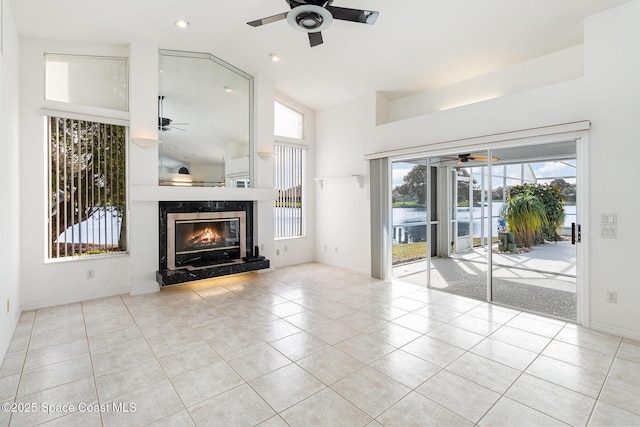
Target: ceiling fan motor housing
308, 17
309, 20
321, 3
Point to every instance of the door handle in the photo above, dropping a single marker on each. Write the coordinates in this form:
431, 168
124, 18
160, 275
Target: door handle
576, 233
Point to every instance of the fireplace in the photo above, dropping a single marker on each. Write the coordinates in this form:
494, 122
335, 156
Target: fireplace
200, 240
203, 239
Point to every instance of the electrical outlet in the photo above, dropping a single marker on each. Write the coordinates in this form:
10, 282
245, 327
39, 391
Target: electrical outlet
612, 297
262, 248
277, 252
325, 248
285, 248
91, 274
336, 248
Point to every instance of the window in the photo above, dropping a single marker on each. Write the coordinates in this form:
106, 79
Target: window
87, 162
289, 172
93, 81
289, 175
87, 188
288, 122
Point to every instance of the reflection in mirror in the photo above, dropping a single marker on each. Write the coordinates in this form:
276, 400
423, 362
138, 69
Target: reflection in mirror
205, 115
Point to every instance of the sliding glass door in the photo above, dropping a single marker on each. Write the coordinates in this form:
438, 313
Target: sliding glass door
535, 268
454, 227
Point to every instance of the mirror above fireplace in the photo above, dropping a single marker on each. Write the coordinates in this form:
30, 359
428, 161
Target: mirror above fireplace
205, 117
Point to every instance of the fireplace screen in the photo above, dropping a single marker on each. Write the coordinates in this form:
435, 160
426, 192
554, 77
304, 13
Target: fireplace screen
207, 235
205, 239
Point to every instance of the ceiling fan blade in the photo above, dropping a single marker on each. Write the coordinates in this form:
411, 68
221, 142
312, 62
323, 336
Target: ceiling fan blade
268, 20
354, 15
482, 158
315, 38
444, 159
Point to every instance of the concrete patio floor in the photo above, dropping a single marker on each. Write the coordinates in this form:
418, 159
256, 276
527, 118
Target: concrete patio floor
541, 281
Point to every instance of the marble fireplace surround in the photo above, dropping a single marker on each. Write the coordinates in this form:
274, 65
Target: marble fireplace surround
168, 276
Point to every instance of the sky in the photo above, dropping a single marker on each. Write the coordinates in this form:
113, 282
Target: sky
565, 169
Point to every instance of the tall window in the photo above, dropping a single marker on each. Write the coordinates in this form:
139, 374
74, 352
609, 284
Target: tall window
87, 188
289, 123
288, 207
289, 172
87, 158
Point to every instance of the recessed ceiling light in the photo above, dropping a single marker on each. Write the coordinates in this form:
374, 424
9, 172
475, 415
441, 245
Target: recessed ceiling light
182, 23
274, 57
228, 89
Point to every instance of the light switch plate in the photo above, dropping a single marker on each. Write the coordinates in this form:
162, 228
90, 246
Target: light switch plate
609, 219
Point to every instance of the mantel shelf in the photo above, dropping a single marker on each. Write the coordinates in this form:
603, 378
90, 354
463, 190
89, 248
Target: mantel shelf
150, 193
358, 179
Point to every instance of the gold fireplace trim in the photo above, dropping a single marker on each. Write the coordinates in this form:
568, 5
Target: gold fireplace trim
172, 218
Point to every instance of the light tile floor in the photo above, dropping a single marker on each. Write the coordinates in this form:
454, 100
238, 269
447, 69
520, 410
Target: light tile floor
312, 345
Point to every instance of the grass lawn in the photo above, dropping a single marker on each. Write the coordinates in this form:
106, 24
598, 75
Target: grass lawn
409, 252
407, 205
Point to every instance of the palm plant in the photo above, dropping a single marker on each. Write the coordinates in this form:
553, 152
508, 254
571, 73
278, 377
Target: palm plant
526, 218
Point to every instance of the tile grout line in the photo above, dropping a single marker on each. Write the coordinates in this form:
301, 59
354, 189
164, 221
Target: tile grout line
606, 379
522, 372
93, 372
24, 362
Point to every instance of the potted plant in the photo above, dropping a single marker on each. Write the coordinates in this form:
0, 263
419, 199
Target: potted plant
526, 217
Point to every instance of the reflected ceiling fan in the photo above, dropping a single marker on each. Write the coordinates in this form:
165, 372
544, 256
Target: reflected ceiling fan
313, 16
462, 159
165, 123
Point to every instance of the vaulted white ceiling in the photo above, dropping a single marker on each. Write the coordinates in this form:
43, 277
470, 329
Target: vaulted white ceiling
414, 46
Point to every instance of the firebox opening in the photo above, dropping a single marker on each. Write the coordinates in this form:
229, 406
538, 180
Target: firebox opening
207, 235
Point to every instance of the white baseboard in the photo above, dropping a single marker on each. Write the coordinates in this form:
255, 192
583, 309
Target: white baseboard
344, 267
614, 330
71, 300
141, 290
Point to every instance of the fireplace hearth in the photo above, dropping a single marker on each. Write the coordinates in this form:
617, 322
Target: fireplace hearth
201, 240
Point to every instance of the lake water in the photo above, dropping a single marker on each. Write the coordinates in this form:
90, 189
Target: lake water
405, 217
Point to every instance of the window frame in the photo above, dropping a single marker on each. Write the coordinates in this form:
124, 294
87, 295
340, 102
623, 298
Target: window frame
49, 258
300, 144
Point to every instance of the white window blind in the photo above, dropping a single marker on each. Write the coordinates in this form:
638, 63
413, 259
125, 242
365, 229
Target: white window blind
87, 188
289, 178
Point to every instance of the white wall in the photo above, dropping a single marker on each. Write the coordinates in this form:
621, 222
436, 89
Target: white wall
9, 191
343, 135
263, 169
607, 95
556, 67
143, 167
612, 70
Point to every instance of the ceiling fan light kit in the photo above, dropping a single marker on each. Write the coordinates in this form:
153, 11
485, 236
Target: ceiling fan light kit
314, 16
309, 18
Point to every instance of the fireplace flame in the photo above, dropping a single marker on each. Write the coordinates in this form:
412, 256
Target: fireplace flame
204, 237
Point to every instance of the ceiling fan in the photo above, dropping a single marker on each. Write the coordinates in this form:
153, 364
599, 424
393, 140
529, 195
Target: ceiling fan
165, 123
462, 159
313, 16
